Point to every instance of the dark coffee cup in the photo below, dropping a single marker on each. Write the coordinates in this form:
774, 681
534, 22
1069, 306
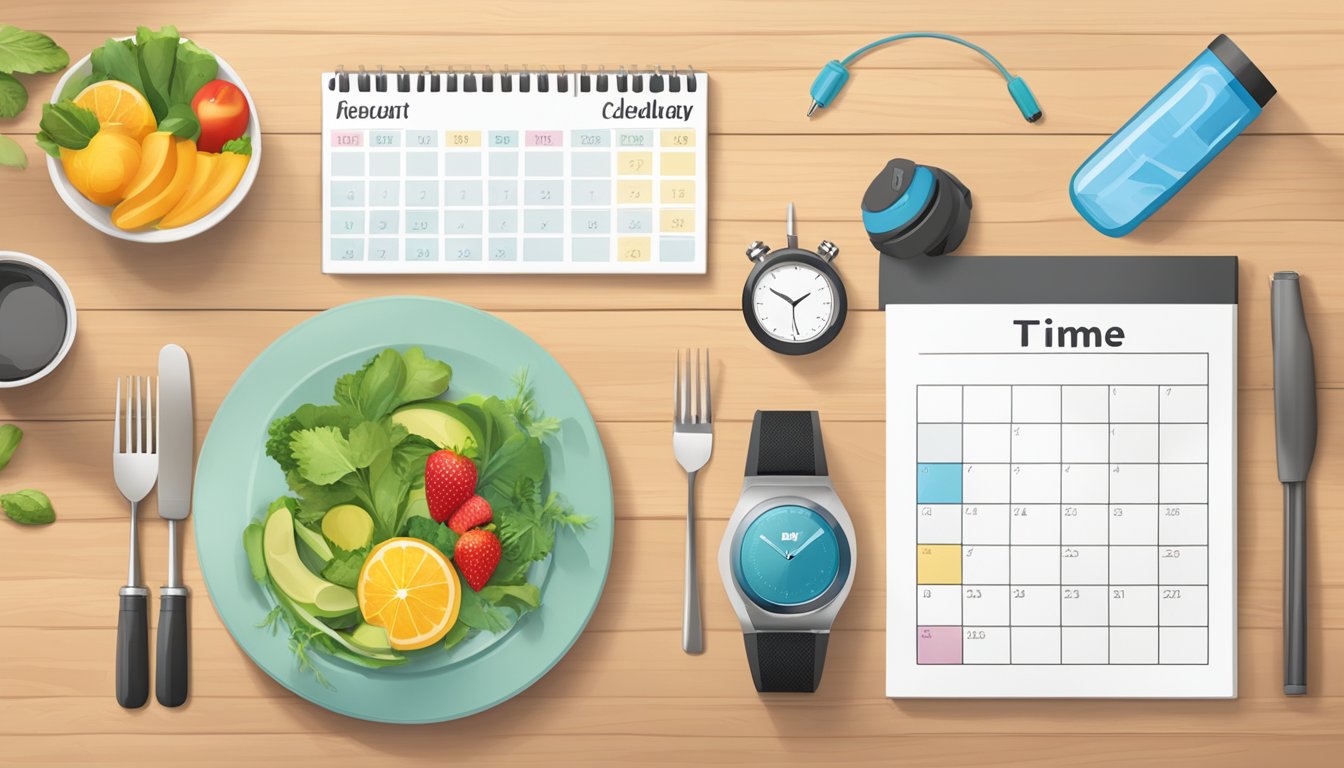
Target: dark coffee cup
37, 319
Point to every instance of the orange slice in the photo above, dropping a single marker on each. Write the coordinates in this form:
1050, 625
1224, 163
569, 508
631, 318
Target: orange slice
410, 589
116, 103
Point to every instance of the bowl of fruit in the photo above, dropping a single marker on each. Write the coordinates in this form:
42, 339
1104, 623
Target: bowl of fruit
151, 138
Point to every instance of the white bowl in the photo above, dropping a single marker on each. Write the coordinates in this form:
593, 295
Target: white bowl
70, 315
100, 218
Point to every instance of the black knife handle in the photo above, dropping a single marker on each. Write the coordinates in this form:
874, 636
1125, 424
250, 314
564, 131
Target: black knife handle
170, 686
133, 650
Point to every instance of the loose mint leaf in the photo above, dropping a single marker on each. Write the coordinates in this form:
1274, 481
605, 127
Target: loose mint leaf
426, 379
13, 96
67, 125
181, 122
323, 454
344, 569
12, 156
519, 598
156, 54
477, 613
29, 52
439, 535
239, 146
28, 507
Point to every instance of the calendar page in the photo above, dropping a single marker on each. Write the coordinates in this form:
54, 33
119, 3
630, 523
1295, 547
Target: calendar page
1061, 513
515, 173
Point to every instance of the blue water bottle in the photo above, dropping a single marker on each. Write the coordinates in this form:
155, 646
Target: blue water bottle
1176, 134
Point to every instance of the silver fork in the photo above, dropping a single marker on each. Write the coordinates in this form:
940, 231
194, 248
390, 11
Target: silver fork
692, 442
135, 464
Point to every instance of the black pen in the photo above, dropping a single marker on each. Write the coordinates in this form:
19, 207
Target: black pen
1295, 439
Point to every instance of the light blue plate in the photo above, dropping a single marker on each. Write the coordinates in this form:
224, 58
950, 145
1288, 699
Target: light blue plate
235, 481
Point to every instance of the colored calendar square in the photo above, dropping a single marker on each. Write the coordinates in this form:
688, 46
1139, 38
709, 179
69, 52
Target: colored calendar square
938, 563
677, 220
595, 193
503, 221
591, 164
461, 164
544, 192
462, 139
939, 645
385, 164
384, 193
383, 222
347, 223
347, 249
677, 192
422, 164
461, 223
634, 192
384, 249
633, 249
503, 249
503, 164
462, 192
544, 222
939, 484
940, 524
422, 249
502, 140
592, 249
676, 248
501, 193
677, 163
680, 137
544, 164
422, 193
462, 248
543, 249
590, 221
634, 221
421, 223
347, 194
634, 163
347, 164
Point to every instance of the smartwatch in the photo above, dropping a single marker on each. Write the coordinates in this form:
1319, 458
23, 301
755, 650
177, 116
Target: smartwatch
788, 556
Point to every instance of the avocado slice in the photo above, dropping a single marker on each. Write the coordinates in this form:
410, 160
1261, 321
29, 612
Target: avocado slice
311, 592
443, 424
313, 541
371, 637
348, 527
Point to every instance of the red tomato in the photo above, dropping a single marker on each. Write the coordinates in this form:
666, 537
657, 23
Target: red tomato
222, 109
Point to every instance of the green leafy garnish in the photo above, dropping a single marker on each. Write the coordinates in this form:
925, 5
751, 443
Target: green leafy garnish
323, 454
439, 535
28, 507
13, 96
195, 67
30, 52
11, 154
67, 125
156, 55
344, 568
239, 146
182, 122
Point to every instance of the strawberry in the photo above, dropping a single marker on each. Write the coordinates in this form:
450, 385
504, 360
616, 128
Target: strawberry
473, 512
450, 479
477, 555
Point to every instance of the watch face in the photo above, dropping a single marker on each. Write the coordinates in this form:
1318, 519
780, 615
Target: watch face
789, 555
794, 302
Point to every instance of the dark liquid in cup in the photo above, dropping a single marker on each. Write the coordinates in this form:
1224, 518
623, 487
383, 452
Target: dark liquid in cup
32, 321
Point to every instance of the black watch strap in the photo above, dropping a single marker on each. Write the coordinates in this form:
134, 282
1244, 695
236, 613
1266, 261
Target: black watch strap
783, 662
786, 443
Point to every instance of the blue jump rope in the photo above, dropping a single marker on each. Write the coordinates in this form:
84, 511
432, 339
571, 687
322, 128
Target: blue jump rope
835, 74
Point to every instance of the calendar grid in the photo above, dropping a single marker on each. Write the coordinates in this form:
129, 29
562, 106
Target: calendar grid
1121, 513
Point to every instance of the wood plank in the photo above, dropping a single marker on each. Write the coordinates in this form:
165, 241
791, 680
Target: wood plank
787, 18
1086, 82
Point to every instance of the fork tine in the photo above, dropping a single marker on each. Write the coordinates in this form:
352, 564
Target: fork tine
695, 385
150, 402
681, 390
709, 403
126, 448
116, 421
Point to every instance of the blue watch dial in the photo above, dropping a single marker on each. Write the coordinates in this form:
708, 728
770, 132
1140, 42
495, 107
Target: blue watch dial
789, 555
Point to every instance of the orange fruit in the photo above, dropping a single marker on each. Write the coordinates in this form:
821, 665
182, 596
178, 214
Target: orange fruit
409, 588
116, 103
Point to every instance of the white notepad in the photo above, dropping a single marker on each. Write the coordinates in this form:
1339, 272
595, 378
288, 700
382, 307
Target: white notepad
1061, 499
521, 172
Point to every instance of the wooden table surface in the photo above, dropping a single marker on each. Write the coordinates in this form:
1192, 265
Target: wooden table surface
626, 694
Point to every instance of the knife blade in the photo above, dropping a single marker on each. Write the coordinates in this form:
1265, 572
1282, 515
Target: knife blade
177, 448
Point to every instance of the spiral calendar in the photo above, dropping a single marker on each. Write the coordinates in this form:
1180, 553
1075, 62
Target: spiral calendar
514, 172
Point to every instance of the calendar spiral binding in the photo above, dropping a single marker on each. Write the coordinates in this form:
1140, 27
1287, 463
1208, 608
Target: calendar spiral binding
622, 80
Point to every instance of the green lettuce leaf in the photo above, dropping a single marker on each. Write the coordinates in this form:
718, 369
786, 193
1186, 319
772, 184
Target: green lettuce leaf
519, 598
115, 60
10, 436
67, 125
156, 54
323, 454
181, 122
439, 535
478, 613
455, 635
372, 391
195, 67
344, 568
426, 379
13, 96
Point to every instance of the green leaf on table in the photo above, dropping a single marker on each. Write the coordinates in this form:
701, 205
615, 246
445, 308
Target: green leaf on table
13, 96
11, 154
29, 52
439, 535
181, 122
67, 125
28, 507
10, 435
195, 67
323, 454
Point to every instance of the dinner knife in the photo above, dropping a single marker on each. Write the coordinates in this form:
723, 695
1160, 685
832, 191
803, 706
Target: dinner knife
177, 446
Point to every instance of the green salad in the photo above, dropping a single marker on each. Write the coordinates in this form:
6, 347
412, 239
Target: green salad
412, 519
